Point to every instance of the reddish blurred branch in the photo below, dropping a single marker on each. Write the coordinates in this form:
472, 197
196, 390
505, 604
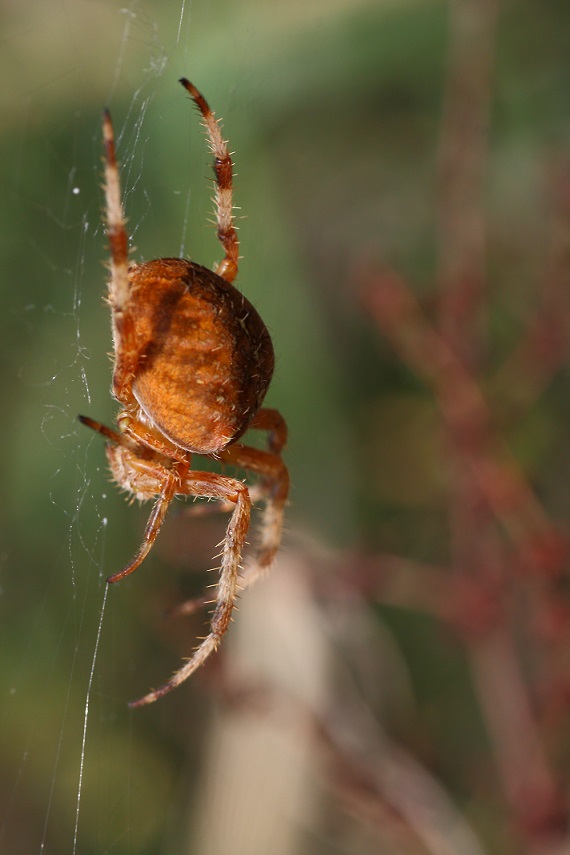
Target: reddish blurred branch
545, 343
463, 146
497, 589
498, 525
484, 458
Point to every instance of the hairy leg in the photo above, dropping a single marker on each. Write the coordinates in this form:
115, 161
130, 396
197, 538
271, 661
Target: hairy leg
223, 169
216, 486
273, 490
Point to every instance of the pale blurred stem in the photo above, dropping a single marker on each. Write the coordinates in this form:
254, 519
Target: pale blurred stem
405, 792
377, 778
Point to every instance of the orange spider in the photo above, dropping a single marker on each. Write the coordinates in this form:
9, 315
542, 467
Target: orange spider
193, 361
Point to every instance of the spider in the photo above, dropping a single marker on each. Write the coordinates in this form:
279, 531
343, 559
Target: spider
193, 361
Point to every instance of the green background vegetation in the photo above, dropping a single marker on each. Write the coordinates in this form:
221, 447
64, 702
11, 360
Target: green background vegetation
333, 111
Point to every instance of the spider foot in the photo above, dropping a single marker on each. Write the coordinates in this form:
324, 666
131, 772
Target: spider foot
209, 645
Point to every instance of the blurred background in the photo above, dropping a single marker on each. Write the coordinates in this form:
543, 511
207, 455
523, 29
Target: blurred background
399, 683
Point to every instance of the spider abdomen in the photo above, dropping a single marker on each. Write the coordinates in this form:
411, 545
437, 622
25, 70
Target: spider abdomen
204, 357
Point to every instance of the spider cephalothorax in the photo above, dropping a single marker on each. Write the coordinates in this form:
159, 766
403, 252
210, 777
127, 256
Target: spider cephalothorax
193, 361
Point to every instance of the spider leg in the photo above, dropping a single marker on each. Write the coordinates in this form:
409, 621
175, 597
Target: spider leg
223, 169
275, 483
216, 486
273, 422
224, 506
272, 518
120, 286
126, 353
153, 526
159, 480
107, 432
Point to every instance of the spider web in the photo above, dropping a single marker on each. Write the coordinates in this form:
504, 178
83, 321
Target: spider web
80, 772
69, 750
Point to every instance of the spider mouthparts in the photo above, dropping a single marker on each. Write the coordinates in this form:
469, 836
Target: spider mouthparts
90, 423
107, 432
